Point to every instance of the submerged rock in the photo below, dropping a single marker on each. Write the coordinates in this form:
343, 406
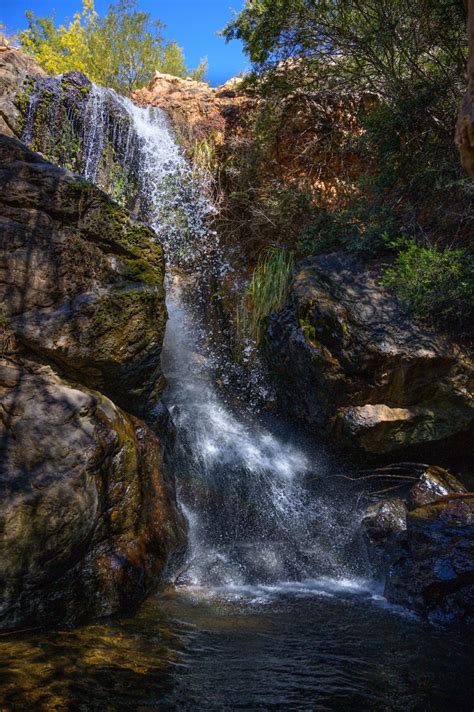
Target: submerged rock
348, 360
434, 573
88, 513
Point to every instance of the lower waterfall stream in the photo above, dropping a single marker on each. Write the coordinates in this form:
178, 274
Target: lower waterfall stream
274, 607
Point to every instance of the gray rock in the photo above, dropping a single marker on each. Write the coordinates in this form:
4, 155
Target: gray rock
434, 572
348, 360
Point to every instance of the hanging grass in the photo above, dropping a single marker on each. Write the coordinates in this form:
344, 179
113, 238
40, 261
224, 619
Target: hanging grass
266, 292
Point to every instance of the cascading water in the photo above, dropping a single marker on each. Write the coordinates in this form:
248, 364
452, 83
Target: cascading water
253, 520
266, 525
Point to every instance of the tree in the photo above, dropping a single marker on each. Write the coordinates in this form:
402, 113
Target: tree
385, 46
405, 62
121, 50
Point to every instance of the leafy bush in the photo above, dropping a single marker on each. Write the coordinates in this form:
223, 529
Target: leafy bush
266, 292
357, 230
434, 284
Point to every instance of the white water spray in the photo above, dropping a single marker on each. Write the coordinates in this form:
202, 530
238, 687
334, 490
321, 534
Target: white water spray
252, 519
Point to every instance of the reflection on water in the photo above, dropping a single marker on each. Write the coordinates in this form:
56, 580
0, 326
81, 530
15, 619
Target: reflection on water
315, 646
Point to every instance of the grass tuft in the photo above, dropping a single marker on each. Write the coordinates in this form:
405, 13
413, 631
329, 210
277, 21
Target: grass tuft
266, 292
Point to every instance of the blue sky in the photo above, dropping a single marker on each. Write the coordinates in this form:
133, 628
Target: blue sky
192, 23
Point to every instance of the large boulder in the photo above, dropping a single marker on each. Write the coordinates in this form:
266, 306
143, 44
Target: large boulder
88, 514
348, 360
434, 573
81, 283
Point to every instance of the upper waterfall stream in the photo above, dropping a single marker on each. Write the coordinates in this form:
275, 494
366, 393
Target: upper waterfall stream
252, 519
274, 606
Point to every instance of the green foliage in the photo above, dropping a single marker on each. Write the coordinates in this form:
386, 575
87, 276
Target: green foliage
121, 50
266, 292
357, 230
387, 47
405, 63
326, 233
435, 284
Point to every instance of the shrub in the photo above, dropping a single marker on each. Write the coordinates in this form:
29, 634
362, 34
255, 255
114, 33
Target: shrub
356, 230
434, 284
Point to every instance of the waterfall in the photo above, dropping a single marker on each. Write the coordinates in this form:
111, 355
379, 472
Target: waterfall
254, 517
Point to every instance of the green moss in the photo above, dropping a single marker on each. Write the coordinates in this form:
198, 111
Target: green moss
22, 102
4, 320
139, 270
114, 312
308, 330
113, 224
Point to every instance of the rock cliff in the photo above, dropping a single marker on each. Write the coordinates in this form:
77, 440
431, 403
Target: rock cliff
197, 110
88, 513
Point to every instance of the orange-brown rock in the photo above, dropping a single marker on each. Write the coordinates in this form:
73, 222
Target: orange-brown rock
196, 109
301, 153
16, 68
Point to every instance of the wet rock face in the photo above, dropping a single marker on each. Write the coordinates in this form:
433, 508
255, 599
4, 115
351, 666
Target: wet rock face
16, 71
81, 282
422, 545
348, 360
383, 525
88, 513
435, 482
434, 573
